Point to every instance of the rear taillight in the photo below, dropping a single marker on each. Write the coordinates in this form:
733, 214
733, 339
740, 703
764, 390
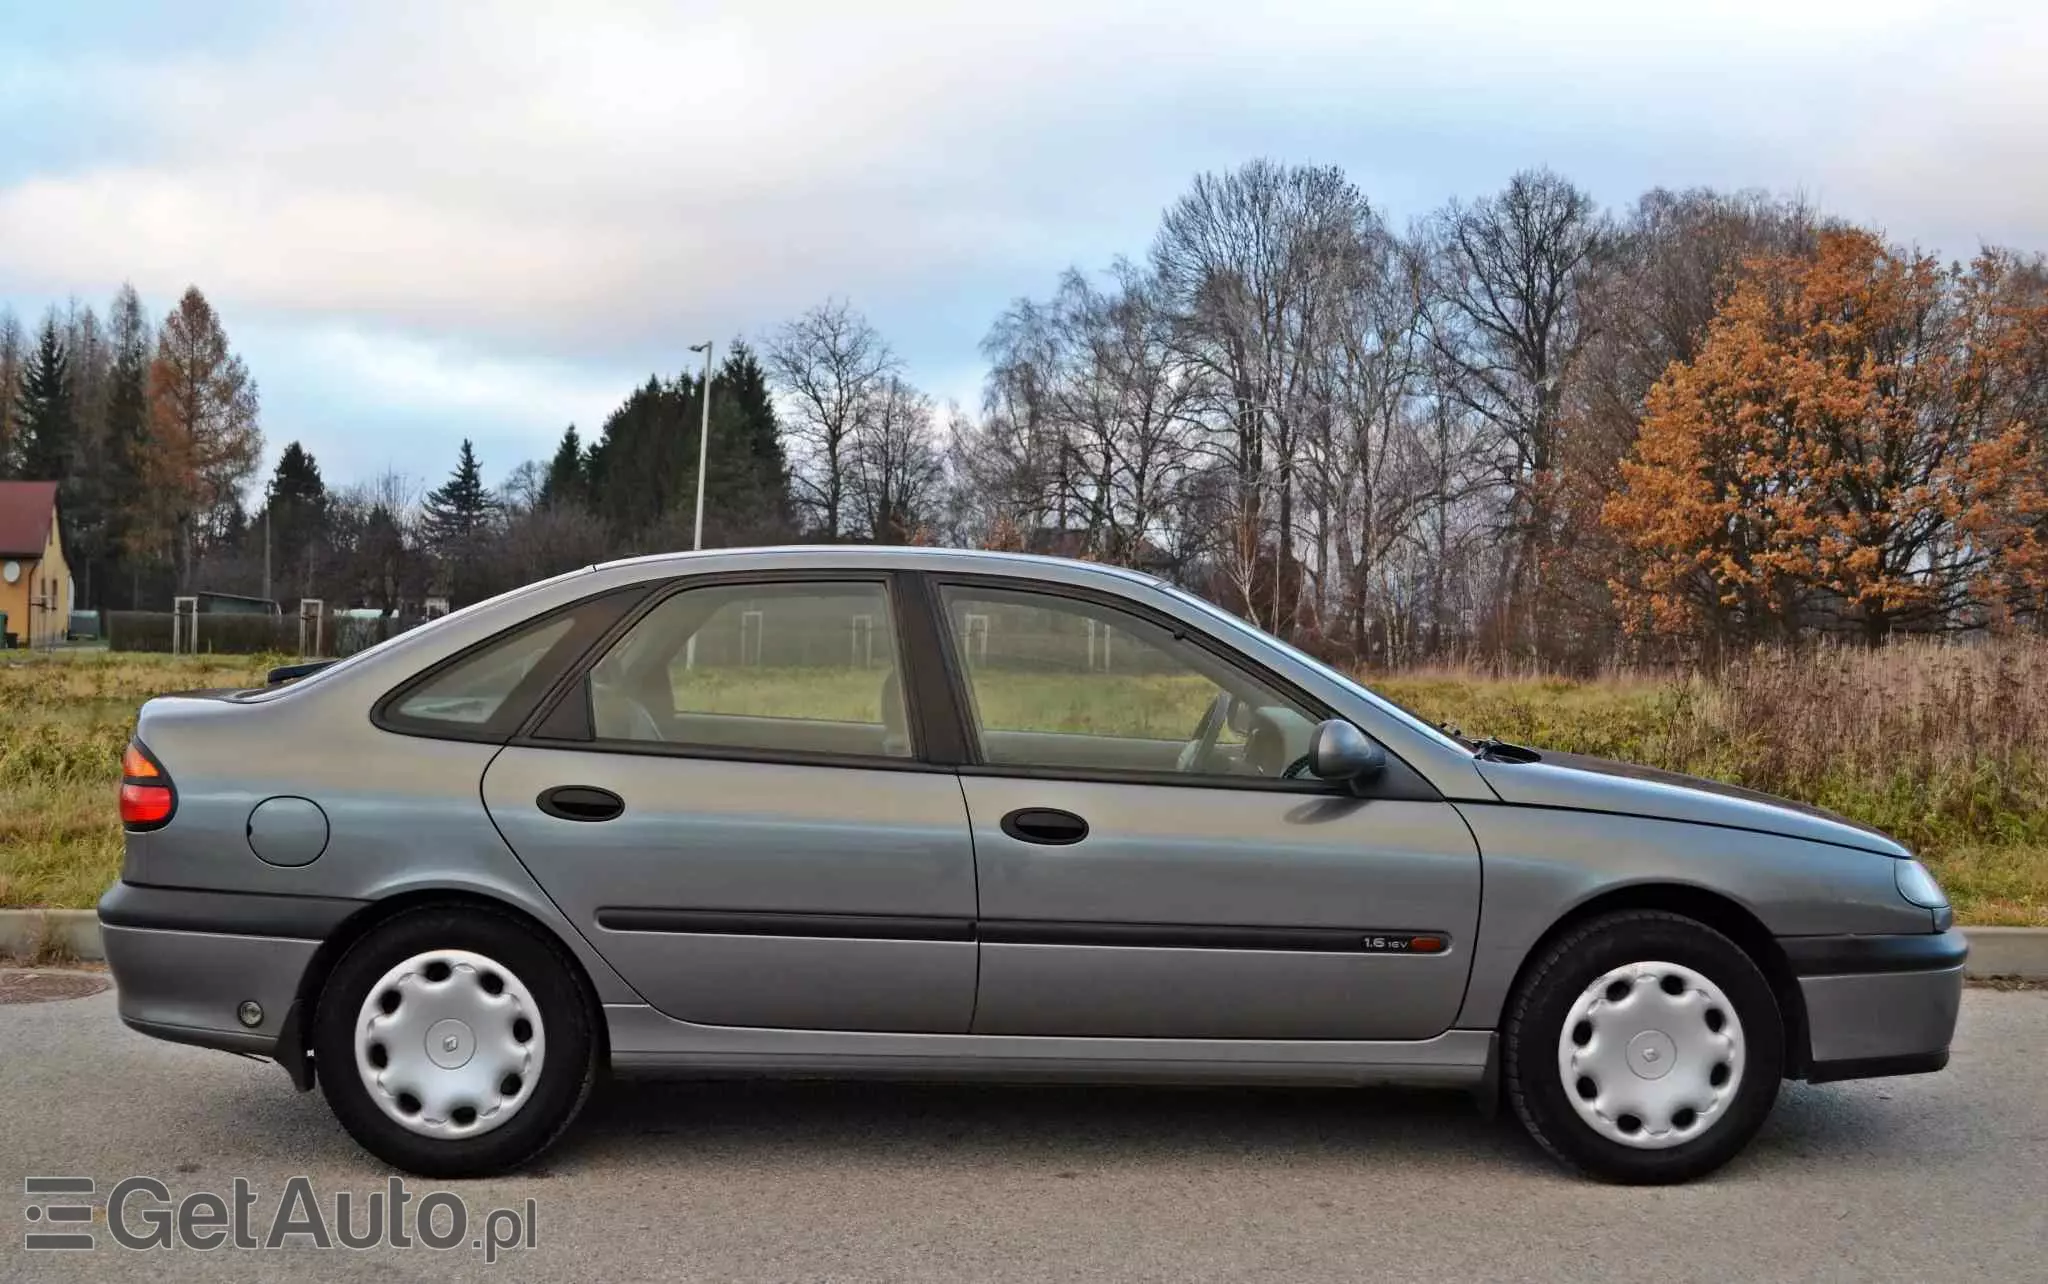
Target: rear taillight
147, 798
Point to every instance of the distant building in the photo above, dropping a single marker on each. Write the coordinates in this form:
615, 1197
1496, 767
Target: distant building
35, 580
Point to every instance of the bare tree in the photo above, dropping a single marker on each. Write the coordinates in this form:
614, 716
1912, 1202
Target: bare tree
1256, 262
827, 366
896, 467
1091, 419
377, 553
1511, 277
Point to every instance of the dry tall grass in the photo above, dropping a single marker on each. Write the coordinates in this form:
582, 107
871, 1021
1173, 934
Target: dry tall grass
1943, 745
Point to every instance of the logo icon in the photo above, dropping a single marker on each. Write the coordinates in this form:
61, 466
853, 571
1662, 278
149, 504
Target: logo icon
58, 1215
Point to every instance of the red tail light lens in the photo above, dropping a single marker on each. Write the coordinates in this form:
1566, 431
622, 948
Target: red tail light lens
147, 799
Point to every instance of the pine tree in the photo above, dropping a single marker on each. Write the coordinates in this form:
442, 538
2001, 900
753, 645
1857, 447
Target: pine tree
297, 503
458, 510
126, 445
567, 483
454, 519
44, 425
641, 474
85, 498
645, 460
13, 360
747, 498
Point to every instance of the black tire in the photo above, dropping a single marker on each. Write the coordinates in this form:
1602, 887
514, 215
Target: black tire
1562, 970
569, 1063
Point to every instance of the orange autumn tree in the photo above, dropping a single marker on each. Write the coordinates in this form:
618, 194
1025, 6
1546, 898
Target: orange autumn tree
1857, 445
203, 435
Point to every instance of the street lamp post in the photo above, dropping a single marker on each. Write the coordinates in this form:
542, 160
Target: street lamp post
703, 454
703, 438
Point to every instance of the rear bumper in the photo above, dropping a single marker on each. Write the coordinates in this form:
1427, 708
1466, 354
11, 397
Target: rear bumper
184, 960
188, 986
1878, 1005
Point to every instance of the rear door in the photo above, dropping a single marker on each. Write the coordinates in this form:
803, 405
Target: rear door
1147, 868
732, 804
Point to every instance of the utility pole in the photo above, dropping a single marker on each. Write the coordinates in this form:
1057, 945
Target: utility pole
266, 547
703, 453
703, 438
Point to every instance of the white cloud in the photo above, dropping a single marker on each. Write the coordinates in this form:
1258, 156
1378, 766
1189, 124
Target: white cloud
590, 170
451, 188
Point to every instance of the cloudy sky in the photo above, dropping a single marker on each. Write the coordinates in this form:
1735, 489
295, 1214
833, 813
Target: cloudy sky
428, 221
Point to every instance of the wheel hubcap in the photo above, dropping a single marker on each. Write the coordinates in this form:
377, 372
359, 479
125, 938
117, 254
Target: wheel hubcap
1651, 1054
449, 1044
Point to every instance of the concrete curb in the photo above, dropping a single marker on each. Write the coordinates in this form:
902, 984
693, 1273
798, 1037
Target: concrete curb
73, 933
2008, 951
1994, 951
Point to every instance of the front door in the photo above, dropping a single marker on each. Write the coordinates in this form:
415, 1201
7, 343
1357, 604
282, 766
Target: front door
1147, 867
731, 805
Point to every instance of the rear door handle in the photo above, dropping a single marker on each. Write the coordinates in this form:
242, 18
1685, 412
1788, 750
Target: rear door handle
1047, 826
581, 802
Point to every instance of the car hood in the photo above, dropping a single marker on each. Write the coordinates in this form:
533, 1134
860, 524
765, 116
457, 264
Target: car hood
1597, 784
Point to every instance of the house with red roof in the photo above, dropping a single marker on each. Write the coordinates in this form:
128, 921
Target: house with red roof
35, 580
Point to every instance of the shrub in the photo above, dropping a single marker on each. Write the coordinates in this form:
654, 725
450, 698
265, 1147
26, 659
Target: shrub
221, 634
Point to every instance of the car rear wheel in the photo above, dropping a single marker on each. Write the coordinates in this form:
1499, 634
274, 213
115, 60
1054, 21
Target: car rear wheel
1643, 1047
454, 1042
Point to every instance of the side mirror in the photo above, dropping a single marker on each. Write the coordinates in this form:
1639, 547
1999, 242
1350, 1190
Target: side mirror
1342, 754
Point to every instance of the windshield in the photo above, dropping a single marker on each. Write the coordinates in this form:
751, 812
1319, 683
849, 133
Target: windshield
1406, 715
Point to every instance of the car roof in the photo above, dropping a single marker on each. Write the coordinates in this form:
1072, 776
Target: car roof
879, 557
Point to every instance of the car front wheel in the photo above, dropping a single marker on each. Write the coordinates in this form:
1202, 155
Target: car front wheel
454, 1042
1643, 1047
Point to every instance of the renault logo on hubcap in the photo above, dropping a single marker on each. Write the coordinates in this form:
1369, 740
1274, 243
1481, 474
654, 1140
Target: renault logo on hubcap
1651, 1053
450, 1043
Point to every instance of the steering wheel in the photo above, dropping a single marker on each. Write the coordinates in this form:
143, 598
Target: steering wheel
1207, 732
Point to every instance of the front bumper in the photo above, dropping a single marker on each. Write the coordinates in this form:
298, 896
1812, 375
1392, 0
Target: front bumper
185, 960
1878, 1005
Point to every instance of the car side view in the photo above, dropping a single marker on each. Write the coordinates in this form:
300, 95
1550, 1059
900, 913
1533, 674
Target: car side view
916, 812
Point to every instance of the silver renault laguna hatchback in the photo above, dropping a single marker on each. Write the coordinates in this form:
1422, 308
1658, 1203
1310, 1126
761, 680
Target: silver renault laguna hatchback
917, 812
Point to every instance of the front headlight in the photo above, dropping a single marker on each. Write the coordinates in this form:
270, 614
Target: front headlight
1918, 886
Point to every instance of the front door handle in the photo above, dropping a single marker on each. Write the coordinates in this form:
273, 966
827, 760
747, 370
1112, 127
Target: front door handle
581, 802
1048, 826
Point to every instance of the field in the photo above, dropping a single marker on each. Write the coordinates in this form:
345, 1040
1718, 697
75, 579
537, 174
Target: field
1945, 747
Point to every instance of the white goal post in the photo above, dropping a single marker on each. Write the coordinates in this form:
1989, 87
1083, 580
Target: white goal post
184, 625
313, 622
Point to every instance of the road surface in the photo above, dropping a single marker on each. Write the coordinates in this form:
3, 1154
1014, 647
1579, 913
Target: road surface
1935, 1176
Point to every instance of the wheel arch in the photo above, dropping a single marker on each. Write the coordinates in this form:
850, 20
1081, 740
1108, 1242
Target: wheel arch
294, 1036
1722, 913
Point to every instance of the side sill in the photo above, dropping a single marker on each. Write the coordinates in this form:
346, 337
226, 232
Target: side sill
645, 1042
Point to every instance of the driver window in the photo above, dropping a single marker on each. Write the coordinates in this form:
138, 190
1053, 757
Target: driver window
781, 668
1057, 682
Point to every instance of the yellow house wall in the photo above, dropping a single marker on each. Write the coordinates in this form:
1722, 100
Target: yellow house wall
52, 614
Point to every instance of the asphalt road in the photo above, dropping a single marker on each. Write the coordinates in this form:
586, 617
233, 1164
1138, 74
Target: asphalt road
1937, 1176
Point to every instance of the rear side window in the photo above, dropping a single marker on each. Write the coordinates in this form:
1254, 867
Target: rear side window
472, 692
486, 692
778, 668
